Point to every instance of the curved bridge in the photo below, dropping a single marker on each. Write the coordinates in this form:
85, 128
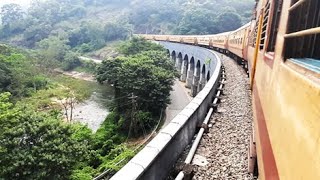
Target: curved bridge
201, 69
196, 64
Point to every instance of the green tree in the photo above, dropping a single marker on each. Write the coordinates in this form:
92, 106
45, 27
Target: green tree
142, 82
71, 61
228, 21
36, 146
5, 76
11, 13
198, 21
54, 48
115, 31
136, 45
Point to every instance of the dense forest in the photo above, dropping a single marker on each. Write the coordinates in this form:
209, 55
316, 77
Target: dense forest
38, 140
84, 25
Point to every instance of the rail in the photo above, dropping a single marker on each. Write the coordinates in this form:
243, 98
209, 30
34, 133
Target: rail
157, 158
297, 4
303, 33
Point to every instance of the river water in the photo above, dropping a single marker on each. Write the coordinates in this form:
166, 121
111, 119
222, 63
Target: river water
94, 110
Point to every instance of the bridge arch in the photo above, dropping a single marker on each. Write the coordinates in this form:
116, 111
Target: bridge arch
174, 57
208, 76
190, 73
179, 61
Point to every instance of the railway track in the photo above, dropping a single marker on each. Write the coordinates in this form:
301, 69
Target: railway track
222, 151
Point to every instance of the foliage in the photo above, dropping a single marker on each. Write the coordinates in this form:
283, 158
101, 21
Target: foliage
116, 31
11, 13
85, 173
116, 155
80, 21
198, 21
142, 83
36, 146
137, 45
11, 16
18, 73
5, 76
87, 66
54, 48
229, 20
71, 61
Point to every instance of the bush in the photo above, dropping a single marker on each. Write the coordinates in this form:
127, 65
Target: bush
71, 61
85, 173
84, 48
38, 82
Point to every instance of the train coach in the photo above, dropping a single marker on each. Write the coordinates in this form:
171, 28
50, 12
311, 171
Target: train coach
281, 49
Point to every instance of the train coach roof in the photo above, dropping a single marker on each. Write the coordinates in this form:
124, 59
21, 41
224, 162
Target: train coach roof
243, 27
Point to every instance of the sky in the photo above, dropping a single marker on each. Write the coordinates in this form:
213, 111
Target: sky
22, 3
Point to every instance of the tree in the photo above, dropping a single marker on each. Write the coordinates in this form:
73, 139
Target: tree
136, 45
142, 82
36, 146
115, 31
228, 21
54, 48
11, 13
71, 61
198, 21
5, 76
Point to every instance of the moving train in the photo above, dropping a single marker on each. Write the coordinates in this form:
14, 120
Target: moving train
280, 49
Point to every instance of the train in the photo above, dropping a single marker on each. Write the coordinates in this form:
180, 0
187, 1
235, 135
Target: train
280, 50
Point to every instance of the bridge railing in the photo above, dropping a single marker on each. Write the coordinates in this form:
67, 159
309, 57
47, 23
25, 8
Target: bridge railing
158, 157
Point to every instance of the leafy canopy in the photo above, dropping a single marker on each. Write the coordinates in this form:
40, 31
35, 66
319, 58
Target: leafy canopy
36, 146
143, 80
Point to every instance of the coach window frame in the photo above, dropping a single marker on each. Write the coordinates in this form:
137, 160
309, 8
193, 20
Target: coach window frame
272, 22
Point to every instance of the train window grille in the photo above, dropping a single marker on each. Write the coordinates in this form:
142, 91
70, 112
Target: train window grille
265, 25
303, 32
253, 36
277, 6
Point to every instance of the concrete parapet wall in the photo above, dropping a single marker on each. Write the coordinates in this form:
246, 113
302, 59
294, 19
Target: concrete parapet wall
158, 157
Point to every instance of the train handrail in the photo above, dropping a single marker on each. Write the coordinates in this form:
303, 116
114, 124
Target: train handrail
303, 32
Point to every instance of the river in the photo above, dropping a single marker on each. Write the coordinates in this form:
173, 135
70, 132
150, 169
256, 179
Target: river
94, 110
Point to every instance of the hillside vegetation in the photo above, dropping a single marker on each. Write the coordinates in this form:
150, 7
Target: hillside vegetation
85, 25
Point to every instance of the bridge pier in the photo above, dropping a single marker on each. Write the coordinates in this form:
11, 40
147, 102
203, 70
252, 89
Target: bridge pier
195, 84
195, 81
190, 73
184, 70
179, 63
190, 77
202, 82
174, 57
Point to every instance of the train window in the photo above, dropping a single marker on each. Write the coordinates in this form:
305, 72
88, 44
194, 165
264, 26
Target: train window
277, 6
302, 40
253, 35
264, 24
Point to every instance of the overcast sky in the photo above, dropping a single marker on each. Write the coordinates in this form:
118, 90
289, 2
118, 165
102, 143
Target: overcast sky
23, 3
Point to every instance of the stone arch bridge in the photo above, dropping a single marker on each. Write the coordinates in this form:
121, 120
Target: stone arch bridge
195, 64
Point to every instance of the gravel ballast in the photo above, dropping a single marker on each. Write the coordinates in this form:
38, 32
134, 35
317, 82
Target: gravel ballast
225, 147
